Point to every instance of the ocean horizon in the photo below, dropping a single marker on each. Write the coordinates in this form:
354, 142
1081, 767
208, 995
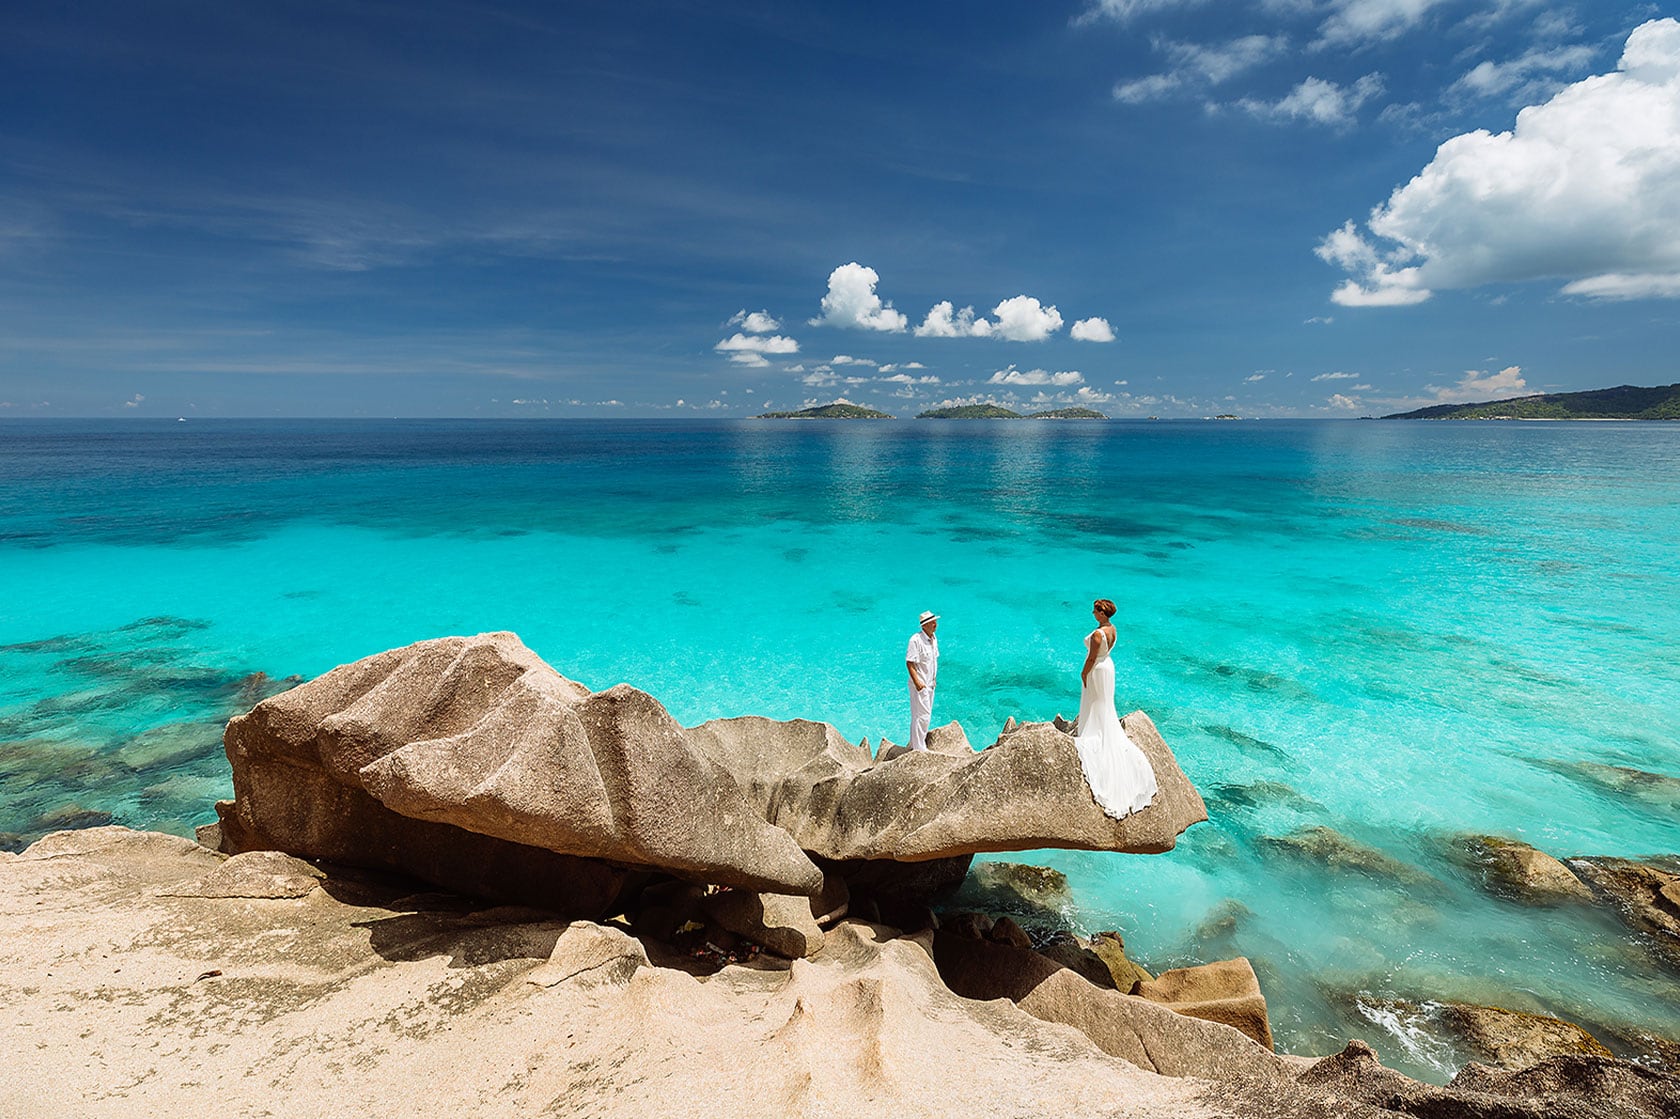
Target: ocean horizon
1364, 641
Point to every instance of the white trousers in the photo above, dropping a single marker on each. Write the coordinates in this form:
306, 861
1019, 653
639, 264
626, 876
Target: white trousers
921, 712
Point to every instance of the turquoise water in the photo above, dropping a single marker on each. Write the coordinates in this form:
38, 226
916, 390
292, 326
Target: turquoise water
1400, 631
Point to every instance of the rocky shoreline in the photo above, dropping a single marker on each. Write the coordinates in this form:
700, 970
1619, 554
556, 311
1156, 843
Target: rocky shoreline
452, 879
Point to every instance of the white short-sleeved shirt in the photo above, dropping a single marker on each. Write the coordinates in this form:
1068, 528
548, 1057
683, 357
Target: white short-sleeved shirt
924, 654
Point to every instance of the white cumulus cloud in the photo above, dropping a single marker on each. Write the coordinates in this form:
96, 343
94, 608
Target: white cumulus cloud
1025, 319
754, 322
1584, 188
851, 301
944, 321
1018, 319
757, 344
1091, 330
1014, 376
1251, 378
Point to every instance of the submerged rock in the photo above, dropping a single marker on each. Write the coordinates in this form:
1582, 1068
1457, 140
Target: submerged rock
1511, 1039
68, 817
1515, 870
1644, 894
1036, 896
1625, 783
1336, 851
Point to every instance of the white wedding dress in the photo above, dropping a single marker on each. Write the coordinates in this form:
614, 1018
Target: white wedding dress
1120, 776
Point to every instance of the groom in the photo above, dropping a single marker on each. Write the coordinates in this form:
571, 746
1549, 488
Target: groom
922, 659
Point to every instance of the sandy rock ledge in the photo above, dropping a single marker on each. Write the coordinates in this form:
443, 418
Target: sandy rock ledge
144, 975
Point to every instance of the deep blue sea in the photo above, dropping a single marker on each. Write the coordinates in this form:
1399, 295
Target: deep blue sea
1402, 631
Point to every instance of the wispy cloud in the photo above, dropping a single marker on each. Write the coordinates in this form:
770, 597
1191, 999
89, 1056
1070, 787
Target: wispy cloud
1198, 66
1317, 101
1352, 22
1530, 76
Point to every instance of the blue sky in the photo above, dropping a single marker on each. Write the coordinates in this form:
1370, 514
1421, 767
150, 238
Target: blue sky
1156, 207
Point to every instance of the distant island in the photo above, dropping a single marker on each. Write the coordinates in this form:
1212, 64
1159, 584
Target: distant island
993, 412
835, 411
1068, 414
969, 412
1624, 402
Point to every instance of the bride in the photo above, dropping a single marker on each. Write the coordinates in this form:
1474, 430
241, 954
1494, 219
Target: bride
1119, 775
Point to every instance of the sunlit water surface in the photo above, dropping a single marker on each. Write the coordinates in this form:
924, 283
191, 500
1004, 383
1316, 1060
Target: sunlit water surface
1401, 631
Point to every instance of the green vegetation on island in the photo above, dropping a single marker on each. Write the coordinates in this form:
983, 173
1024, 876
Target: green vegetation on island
1624, 402
994, 412
1068, 414
837, 411
969, 412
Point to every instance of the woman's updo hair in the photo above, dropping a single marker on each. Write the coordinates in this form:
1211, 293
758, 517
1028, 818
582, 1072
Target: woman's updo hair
1104, 606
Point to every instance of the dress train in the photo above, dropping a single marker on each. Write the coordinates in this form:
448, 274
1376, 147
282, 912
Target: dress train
1119, 774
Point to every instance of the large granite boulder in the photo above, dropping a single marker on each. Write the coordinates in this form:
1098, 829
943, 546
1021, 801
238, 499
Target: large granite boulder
469, 762
1024, 792
472, 750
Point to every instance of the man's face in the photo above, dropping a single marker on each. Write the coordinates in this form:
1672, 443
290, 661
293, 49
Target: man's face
930, 625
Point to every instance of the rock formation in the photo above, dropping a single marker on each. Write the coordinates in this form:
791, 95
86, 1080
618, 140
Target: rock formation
1226, 991
1644, 894
144, 975
1515, 870
472, 764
